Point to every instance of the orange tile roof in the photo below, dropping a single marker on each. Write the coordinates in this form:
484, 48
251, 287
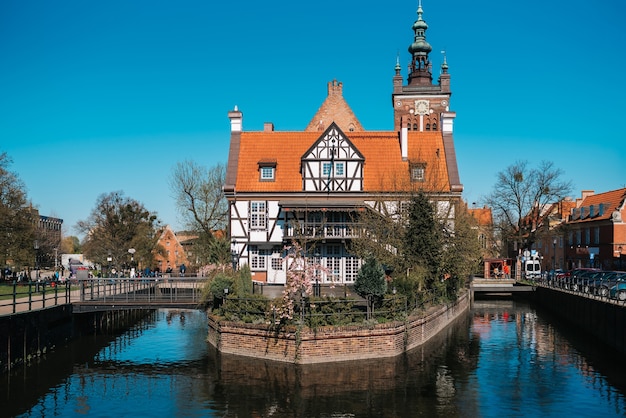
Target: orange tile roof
384, 170
612, 201
482, 215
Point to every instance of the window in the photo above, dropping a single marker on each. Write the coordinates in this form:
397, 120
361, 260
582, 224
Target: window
352, 268
333, 262
258, 215
418, 171
329, 170
326, 168
277, 263
339, 169
257, 258
267, 170
596, 235
267, 173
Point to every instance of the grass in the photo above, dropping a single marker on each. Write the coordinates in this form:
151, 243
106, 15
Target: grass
21, 290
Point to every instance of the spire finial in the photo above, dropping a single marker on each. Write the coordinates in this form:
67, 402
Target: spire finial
444, 66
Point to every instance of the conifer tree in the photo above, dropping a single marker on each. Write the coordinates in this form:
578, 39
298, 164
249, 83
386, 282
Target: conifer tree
424, 238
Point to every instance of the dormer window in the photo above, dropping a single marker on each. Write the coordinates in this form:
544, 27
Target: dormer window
267, 170
418, 172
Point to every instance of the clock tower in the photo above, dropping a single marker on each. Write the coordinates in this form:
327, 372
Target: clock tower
421, 105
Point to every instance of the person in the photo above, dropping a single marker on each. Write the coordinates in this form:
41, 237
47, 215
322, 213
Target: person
507, 271
182, 270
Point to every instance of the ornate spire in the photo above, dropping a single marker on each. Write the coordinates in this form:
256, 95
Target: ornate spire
419, 70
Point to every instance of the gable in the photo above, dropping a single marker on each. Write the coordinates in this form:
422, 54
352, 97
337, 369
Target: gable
333, 144
335, 110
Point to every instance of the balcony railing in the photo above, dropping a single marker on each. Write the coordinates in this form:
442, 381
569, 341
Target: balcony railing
330, 230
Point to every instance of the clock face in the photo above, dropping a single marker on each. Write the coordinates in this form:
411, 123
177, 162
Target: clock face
421, 107
398, 104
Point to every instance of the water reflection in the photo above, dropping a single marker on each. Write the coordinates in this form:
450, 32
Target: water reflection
504, 358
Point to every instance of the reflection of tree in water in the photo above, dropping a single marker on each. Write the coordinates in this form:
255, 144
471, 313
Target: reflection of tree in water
397, 386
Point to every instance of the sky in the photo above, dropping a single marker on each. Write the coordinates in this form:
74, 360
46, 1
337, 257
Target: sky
97, 97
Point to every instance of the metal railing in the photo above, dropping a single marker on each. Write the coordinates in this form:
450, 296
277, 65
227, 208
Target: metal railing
588, 287
152, 291
22, 297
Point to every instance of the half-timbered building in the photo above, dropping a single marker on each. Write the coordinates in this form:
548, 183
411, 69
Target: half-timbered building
311, 185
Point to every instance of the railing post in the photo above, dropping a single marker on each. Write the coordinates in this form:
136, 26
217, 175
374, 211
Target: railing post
14, 295
30, 295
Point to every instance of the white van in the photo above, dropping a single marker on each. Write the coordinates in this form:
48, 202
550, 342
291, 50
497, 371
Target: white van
532, 269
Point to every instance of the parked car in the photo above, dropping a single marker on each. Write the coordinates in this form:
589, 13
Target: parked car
602, 284
613, 284
577, 277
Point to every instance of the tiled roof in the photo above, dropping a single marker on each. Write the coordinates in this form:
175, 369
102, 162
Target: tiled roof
482, 215
611, 201
384, 169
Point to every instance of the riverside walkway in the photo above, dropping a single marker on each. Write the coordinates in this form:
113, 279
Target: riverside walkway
99, 294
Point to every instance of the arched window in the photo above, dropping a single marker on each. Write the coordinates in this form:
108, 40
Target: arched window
415, 127
408, 126
428, 126
434, 126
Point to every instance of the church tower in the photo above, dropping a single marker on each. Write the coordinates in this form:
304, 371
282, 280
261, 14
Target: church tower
421, 105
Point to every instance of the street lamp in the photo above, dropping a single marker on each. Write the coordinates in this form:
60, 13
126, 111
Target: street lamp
36, 247
109, 259
554, 256
234, 255
131, 273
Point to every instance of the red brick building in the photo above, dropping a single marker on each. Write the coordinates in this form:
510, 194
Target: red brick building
596, 232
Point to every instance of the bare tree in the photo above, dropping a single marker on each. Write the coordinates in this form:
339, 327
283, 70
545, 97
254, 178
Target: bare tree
199, 196
519, 197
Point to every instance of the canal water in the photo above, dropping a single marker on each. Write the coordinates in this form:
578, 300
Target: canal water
504, 358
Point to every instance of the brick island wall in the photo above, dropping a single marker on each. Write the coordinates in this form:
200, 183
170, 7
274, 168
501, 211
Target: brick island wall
329, 344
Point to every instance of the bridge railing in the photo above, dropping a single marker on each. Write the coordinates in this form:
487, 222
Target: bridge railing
142, 290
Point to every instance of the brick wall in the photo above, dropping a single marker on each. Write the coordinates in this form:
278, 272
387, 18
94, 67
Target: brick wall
328, 344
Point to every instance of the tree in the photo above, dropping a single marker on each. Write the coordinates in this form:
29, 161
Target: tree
519, 197
70, 245
17, 228
462, 252
202, 206
370, 282
423, 238
118, 224
199, 196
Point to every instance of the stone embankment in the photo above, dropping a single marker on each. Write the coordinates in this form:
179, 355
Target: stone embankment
303, 345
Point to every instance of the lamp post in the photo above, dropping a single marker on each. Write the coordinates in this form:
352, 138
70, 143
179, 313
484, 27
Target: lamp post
109, 259
234, 255
36, 248
131, 272
554, 256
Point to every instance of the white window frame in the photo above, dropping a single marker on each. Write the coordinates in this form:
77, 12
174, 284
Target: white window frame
267, 173
258, 258
340, 169
258, 215
327, 169
418, 173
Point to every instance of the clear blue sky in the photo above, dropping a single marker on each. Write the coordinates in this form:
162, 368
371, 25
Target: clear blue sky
97, 97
